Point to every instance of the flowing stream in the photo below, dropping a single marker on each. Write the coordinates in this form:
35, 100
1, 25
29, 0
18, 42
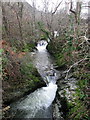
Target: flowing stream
39, 103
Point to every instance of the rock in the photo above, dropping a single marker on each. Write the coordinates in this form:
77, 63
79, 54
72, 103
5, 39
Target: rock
65, 91
6, 108
11, 96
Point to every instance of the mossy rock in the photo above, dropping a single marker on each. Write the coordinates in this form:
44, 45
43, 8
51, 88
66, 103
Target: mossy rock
27, 81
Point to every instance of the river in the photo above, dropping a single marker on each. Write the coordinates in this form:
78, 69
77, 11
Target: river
39, 103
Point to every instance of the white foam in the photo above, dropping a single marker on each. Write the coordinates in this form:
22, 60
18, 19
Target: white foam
49, 93
41, 46
40, 98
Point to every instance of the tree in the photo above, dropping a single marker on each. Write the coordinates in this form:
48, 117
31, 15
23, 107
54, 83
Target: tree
50, 16
5, 21
19, 12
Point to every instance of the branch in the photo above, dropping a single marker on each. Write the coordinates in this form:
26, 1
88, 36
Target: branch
86, 6
74, 12
71, 10
85, 39
75, 64
56, 8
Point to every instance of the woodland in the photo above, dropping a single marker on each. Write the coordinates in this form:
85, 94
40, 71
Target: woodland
23, 25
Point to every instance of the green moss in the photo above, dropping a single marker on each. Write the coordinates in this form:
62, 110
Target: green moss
62, 51
28, 47
70, 105
29, 73
25, 78
45, 32
60, 60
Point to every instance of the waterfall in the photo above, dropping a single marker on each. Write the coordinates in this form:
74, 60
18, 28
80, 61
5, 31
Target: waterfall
41, 46
38, 103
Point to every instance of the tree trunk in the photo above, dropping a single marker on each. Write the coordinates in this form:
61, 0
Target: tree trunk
5, 21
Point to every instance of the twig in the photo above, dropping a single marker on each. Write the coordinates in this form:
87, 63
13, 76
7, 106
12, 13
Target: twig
85, 40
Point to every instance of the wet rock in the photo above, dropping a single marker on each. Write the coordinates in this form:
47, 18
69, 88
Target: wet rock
17, 90
57, 113
66, 89
60, 68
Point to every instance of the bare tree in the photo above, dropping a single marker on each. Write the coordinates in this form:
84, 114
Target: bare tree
77, 11
49, 15
76, 14
19, 13
5, 20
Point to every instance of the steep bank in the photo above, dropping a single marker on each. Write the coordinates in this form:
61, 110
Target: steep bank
72, 98
20, 77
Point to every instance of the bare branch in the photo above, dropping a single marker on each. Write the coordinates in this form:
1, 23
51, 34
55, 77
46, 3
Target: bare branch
71, 9
57, 7
77, 11
85, 39
74, 65
86, 6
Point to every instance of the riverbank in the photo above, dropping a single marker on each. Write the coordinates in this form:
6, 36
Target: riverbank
20, 77
72, 99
